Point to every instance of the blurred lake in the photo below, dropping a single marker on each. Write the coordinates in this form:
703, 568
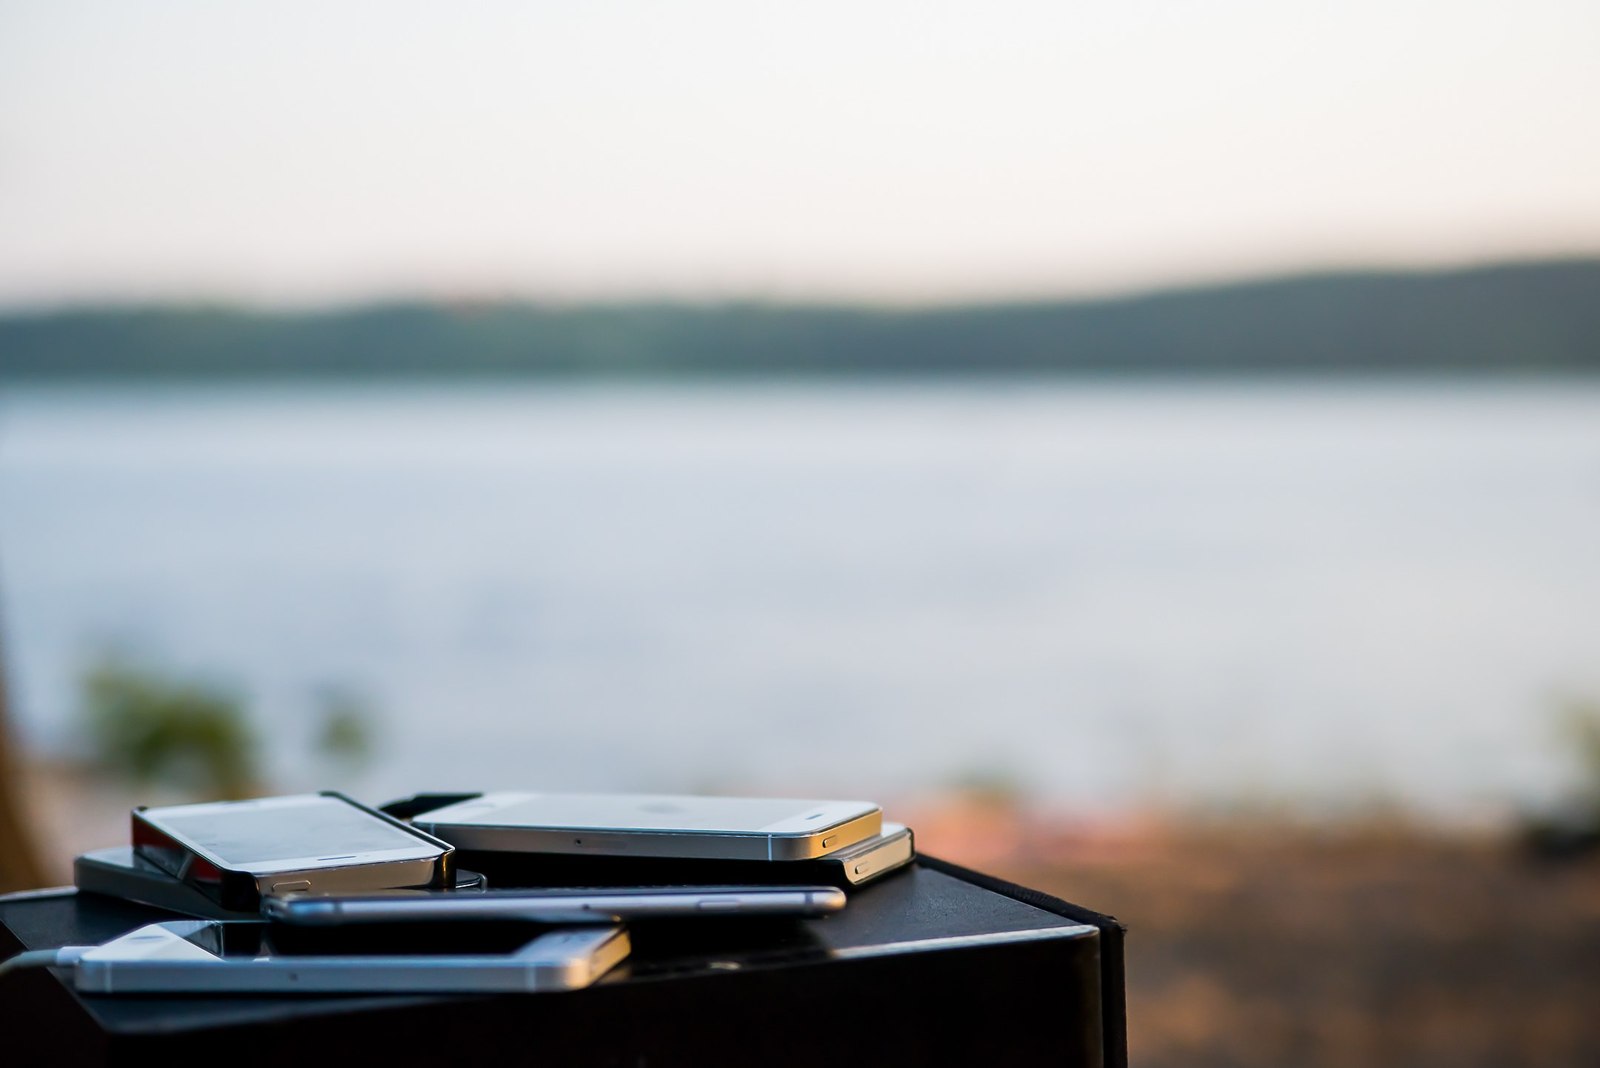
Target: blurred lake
1106, 593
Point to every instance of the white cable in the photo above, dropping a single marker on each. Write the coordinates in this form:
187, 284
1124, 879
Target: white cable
66, 957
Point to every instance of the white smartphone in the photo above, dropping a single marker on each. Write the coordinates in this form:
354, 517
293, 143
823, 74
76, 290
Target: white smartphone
235, 851
608, 905
209, 956
654, 825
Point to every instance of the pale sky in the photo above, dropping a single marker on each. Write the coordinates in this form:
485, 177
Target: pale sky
294, 153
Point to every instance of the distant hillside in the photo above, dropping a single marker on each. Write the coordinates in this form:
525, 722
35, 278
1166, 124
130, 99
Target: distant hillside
1521, 317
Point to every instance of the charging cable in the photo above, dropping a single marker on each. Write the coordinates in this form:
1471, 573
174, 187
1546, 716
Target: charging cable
65, 957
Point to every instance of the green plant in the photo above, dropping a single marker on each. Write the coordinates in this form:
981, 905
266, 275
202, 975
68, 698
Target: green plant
1580, 728
344, 728
149, 727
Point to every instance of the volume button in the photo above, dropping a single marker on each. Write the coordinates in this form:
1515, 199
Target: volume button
716, 906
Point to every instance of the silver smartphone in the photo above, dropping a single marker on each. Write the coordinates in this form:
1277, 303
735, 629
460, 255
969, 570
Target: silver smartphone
599, 905
849, 868
208, 956
654, 825
871, 859
236, 851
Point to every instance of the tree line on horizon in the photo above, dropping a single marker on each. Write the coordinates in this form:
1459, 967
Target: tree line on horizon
1534, 317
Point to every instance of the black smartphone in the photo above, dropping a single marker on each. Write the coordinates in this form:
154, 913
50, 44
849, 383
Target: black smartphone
119, 872
234, 852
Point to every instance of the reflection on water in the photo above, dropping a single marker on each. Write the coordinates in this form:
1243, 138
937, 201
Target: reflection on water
1100, 593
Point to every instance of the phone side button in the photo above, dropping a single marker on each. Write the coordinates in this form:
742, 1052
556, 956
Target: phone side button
716, 906
291, 887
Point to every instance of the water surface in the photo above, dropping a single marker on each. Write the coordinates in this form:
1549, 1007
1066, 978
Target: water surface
1106, 594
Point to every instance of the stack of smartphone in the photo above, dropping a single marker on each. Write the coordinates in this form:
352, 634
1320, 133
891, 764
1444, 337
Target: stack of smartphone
319, 893
224, 862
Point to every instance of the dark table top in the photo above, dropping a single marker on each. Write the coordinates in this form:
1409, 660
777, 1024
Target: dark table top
919, 910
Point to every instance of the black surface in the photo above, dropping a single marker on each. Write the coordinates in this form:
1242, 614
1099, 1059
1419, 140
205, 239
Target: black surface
1113, 981
925, 966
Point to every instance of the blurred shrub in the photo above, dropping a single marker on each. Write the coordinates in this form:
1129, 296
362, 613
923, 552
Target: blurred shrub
992, 785
1580, 725
344, 726
1572, 829
151, 728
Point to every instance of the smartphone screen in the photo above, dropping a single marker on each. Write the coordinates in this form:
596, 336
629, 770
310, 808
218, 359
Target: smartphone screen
308, 827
